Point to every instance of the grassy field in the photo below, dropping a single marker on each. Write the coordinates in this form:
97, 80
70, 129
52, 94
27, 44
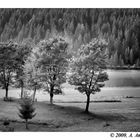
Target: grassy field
71, 95
70, 117
67, 113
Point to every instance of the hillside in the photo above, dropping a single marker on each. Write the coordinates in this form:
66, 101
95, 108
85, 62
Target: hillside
120, 27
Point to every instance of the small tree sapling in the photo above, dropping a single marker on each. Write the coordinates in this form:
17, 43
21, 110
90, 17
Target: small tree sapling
27, 110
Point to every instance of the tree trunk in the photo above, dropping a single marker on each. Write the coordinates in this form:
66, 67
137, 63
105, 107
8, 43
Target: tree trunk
87, 104
51, 98
34, 94
27, 124
51, 94
6, 95
21, 92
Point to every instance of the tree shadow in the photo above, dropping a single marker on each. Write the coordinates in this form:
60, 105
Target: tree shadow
79, 112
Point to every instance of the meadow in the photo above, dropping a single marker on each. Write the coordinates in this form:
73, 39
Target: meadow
109, 109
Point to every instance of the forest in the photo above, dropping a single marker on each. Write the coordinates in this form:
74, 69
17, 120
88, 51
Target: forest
120, 28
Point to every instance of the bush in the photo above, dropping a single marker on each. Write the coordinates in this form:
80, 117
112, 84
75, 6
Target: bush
6, 127
6, 122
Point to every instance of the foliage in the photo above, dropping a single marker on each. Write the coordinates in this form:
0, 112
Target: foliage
8, 64
119, 26
6, 126
52, 59
23, 52
32, 74
26, 110
87, 70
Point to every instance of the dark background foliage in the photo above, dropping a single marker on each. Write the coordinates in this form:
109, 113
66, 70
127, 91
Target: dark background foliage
120, 27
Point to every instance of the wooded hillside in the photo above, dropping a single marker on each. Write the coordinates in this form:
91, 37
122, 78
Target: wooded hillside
120, 27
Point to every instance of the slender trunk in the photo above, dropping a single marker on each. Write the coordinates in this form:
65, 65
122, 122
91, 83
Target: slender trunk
51, 98
34, 94
21, 92
87, 104
52, 90
6, 89
27, 124
51, 94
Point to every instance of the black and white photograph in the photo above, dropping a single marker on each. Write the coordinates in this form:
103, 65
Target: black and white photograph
70, 70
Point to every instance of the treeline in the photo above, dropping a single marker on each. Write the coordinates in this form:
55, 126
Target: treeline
48, 64
120, 27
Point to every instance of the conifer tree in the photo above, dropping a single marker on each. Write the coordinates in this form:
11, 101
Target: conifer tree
26, 110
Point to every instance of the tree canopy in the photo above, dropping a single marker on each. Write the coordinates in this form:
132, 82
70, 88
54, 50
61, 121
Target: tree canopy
87, 70
52, 61
8, 63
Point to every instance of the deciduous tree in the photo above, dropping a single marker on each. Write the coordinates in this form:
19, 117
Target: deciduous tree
8, 64
53, 62
23, 51
87, 70
32, 74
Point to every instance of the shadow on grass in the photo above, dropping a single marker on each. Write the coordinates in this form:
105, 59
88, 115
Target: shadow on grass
80, 113
93, 101
65, 116
132, 97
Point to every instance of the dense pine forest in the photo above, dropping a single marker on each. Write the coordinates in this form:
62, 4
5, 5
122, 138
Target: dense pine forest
120, 27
